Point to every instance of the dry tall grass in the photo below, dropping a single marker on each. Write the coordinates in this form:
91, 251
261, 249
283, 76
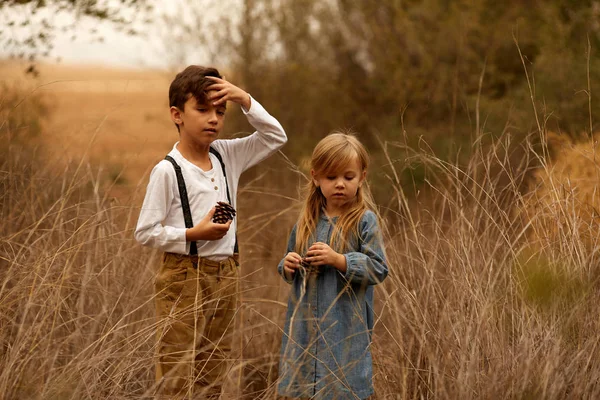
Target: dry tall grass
473, 306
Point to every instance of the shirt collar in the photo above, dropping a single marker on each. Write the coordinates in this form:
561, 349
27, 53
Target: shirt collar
324, 216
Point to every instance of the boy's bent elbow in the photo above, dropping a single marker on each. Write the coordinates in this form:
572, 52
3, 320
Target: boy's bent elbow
149, 236
282, 139
142, 237
279, 139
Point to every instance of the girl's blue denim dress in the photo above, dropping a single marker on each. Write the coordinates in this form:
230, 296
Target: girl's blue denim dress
325, 352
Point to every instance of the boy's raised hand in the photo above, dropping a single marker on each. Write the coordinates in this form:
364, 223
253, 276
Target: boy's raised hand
207, 230
222, 91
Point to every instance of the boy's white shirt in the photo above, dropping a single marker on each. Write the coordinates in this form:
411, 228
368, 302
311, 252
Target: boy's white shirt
161, 224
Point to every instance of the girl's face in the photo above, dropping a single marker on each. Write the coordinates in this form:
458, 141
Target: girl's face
340, 187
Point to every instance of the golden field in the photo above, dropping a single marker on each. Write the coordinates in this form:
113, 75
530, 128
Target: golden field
493, 279
117, 119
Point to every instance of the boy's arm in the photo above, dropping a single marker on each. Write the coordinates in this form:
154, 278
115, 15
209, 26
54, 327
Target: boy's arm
369, 264
150, 230
250, 150
289, 278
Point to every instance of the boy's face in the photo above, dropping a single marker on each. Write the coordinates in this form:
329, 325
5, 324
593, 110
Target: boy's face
200, 123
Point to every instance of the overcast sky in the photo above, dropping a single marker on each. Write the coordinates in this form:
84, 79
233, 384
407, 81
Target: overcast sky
117, 49
79, 45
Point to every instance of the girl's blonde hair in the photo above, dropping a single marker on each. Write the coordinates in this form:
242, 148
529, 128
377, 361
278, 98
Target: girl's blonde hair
332, 155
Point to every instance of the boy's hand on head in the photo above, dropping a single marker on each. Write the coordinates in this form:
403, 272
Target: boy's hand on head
222, 91
208, 230
321, 254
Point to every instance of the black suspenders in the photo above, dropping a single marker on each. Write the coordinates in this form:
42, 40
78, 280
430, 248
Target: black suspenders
185, 204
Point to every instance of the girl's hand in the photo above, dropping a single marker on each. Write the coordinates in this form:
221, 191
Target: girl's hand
321, 254
223, 91
291, 263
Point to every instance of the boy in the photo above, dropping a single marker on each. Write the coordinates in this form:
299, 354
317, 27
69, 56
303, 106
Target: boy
196, 287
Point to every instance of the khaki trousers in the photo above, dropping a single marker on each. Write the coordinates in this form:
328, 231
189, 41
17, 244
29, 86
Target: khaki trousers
196, 310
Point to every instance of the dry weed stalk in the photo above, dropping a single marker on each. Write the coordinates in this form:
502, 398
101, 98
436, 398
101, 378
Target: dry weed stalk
465, 313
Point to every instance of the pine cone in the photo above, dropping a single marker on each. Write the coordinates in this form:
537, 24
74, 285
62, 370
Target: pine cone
223, 213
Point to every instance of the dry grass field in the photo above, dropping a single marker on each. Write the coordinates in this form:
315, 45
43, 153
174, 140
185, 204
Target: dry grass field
114, 119
484, 299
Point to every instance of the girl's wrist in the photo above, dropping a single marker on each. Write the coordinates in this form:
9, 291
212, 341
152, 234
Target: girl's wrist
288, 273
340, 262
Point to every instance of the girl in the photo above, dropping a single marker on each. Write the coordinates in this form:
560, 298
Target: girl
335, 257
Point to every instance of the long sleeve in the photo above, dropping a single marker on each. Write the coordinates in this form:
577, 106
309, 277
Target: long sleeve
369, 265
150, 230
290, 247
250, 150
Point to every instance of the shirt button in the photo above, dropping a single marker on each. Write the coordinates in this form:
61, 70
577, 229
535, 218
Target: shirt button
216, 188
212, 179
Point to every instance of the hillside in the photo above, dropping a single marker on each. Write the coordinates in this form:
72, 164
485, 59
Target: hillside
115, 118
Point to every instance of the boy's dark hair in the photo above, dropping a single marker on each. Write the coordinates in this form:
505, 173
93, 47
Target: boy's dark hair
191, 82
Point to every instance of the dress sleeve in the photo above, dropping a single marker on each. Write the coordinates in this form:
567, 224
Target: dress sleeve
368, 265
150, 230
290, 247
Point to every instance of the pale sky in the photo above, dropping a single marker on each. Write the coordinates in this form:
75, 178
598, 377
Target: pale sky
117, 49
155, 49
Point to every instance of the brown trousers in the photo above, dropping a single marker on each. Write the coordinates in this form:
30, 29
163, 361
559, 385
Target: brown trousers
196, 310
